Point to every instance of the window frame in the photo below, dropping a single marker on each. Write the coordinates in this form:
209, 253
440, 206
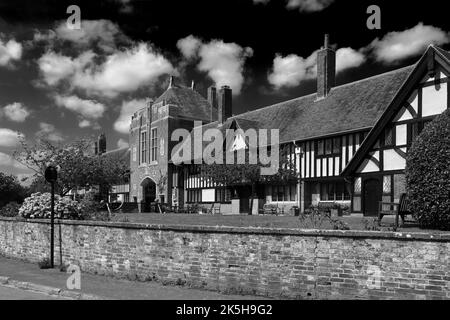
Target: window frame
143, 148
154, 145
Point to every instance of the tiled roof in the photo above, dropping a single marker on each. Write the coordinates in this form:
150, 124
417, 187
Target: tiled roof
189, 103
347, 107
352, 106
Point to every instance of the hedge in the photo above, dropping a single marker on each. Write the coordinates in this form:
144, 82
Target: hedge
428, 174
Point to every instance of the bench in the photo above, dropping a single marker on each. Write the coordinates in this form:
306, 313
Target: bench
214, 209
393, 208
269, 208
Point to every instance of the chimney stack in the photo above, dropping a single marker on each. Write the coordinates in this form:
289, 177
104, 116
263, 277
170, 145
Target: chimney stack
326, 69
101, 144
225, 104
172, 82
212, 99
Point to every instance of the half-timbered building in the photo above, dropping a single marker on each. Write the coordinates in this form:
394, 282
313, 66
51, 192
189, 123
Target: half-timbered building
348, 142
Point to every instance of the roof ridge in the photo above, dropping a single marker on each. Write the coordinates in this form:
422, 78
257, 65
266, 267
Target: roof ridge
339, 86
376, 76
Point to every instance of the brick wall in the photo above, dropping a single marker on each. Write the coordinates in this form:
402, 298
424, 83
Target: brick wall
271, 262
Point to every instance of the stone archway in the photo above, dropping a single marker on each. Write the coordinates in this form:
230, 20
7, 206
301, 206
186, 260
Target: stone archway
148, 193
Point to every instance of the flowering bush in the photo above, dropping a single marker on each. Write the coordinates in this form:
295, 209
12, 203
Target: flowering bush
38, 206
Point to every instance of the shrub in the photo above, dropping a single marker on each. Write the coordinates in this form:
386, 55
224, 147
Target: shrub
38, 206
314, 218
10, 210
371, 224
338, 224
428, 174
11, 190
92, 209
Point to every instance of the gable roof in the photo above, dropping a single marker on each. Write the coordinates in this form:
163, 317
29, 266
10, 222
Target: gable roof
416, 75
186, 102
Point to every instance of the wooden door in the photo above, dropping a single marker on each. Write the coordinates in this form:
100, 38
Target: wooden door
372, 196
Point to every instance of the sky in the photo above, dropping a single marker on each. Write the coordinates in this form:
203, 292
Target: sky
65, 84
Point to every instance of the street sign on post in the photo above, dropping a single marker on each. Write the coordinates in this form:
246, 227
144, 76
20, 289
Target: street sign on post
51, 175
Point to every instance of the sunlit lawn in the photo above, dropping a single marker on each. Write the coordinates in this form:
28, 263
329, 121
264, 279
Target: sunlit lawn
353, 222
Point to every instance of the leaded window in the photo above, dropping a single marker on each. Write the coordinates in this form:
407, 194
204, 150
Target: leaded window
144, 147
154, 144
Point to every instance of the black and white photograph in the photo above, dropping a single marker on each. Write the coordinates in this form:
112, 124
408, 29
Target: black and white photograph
224, 158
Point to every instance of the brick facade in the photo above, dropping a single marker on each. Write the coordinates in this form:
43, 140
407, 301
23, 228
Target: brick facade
150, 140
270, 262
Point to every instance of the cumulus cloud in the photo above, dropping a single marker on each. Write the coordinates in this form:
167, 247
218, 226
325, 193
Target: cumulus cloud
102, 34
55, 67
9, 51
16, 112
121, 143
8, 161
87, 109
290, 70
308, 5
9, 138
223, 62
121, 71
122, 124
348, 58
124, 71
302, 5
189, 46
399, 45
48, 131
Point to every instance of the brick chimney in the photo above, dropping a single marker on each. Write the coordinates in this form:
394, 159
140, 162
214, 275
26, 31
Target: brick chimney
173, 82
326, 69
212, 99
101, 144
225, 104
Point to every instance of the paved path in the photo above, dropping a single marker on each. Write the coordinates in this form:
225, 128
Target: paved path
107, 287
7, 293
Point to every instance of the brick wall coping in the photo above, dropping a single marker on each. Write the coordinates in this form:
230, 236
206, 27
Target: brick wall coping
408, 236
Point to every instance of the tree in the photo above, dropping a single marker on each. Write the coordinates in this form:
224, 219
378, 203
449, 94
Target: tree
249, 174
77, 166
428, 174
11, 190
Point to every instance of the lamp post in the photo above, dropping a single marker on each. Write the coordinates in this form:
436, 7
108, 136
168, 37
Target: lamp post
51, 175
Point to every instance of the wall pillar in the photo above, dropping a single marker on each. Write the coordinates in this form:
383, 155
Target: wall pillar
301, 191
256, 203
235, 205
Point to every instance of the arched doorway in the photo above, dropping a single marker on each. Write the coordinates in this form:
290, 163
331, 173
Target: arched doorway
148, 193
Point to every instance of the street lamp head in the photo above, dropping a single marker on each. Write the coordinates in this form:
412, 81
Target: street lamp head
51, 174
